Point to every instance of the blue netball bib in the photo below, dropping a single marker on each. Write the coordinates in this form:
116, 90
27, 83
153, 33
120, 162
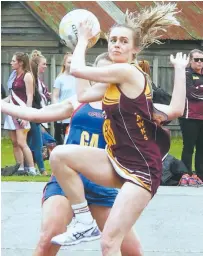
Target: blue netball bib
86, 127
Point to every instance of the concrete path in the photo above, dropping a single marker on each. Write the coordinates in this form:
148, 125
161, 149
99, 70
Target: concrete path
171, 225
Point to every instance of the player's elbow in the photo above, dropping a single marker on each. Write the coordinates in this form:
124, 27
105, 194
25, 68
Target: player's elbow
82, 99
67, 111
178, 113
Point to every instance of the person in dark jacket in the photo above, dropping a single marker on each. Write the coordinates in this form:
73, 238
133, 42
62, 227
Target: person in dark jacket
192, 121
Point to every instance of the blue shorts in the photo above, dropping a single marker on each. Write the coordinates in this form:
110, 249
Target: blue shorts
95, 194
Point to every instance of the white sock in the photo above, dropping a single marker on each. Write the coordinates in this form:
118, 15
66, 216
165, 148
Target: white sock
82, 213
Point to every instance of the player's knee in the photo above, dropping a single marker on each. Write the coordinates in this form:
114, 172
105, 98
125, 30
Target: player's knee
46, 234
45, 240
60, 156
55, 156
105, 246
109, 245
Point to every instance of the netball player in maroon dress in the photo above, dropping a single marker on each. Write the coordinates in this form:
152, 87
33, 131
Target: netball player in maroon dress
21, 94
132, 159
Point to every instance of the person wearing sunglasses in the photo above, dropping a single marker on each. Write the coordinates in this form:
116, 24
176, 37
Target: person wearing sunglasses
192, 121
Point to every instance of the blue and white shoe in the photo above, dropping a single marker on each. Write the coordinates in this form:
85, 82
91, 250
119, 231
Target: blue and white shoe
76, 233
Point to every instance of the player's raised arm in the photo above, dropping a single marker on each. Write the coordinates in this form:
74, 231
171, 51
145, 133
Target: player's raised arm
177, 104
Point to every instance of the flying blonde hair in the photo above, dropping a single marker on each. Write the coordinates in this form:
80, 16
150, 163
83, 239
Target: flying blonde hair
148, 22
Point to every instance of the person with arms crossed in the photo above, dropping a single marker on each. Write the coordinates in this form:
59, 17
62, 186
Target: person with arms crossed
191, 122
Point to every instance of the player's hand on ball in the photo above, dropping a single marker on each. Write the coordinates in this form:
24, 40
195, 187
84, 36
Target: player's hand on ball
79, 25
85, 30
179, 60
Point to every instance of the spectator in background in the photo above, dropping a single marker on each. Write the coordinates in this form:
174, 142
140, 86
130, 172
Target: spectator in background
21, 93
192, 121
39, 64
64, 88
41, 98
16, 149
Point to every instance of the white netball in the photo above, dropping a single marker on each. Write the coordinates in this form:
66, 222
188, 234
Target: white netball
68, 28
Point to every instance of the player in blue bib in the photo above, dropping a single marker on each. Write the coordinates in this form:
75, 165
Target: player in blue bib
85, 129
86, 126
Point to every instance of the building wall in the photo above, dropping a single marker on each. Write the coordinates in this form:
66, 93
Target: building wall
21, 31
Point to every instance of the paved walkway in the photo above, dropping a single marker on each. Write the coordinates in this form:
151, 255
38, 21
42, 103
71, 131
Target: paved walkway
171, 225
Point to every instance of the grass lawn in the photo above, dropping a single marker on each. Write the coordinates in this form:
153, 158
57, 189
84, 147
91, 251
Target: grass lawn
7, 158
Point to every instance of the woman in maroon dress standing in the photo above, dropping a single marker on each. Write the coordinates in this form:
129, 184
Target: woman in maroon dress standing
21, 94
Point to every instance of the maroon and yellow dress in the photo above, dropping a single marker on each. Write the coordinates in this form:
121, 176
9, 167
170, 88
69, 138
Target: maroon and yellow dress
136, 145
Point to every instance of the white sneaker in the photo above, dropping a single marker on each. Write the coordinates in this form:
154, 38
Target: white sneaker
76, 233
31, 172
